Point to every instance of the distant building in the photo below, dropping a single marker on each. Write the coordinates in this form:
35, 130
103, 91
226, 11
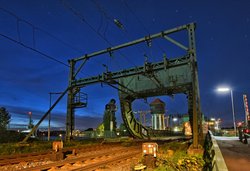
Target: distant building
17, 127
157, 108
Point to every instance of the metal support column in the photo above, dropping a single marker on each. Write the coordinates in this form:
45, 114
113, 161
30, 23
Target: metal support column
49, 117
197, 118
70, 121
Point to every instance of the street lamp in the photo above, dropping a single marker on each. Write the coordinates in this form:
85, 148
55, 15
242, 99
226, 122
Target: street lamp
226, 89
30, 120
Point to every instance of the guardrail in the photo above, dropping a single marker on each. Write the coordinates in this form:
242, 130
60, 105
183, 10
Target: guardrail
212, 155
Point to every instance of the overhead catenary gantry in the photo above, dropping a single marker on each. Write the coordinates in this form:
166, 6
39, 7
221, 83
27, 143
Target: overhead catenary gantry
167, 77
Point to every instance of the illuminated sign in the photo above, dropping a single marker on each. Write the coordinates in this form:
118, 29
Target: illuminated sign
246, 106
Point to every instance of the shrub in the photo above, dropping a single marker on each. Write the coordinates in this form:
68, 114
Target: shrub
10, 136
179, 160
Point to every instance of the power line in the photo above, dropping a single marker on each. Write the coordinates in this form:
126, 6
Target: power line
19, 41
99, 7
139, 21
82, 18
120, 25
19, 37
35, 50
34, 28
116, 21
105, 14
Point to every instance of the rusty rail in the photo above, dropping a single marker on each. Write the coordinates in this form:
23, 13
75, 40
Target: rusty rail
107, 152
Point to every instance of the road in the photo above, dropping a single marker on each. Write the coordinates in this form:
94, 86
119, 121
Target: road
235, 153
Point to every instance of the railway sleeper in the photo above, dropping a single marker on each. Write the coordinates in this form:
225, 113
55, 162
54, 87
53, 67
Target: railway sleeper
61, 154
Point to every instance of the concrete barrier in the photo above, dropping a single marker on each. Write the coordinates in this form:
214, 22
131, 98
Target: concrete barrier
212, 155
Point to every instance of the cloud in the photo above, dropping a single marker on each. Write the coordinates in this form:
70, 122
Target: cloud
58, 118
84, 122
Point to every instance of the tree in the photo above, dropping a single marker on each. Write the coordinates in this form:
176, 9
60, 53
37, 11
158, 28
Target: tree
4, 118
100, 130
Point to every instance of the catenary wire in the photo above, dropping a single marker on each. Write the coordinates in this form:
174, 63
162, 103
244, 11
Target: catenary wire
19, 41
36, 28
35, 50
82, 18
111, 18
139, 21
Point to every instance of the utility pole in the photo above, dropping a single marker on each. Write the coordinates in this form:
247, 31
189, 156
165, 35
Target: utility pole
70, 120
30, 120
142, 114
49, 117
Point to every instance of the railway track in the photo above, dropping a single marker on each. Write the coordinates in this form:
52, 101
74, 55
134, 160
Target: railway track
85, 158
114, 159
15, 159
90, 160
41, 156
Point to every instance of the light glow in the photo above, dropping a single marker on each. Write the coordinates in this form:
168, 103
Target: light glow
175, 119
223, 89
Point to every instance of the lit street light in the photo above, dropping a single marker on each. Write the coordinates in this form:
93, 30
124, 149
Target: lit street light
226, 89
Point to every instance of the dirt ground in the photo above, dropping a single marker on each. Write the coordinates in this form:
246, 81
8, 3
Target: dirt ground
236, 154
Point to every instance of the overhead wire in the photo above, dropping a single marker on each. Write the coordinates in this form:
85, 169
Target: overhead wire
36, 28
115, 21
104, 14
100, 8
82, 18
49, 34
35, 50
118, 24
139, 21
19, 37
19, 41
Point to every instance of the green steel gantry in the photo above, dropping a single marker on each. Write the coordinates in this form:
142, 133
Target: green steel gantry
168, 77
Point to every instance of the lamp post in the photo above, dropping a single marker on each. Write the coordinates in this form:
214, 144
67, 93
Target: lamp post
226, 89
30, 121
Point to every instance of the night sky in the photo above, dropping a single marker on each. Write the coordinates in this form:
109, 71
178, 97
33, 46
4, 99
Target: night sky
37, 38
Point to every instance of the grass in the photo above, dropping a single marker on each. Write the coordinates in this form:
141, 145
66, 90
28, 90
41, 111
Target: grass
15, 148
173, 157
37, 146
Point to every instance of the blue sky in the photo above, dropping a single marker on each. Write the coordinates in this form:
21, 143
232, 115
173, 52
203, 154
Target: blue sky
68, 29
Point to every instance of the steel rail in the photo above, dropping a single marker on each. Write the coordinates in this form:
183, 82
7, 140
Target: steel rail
9, 160
74, 160
28, 157
108, 161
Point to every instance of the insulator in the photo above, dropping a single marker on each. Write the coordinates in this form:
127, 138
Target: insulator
118, 23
